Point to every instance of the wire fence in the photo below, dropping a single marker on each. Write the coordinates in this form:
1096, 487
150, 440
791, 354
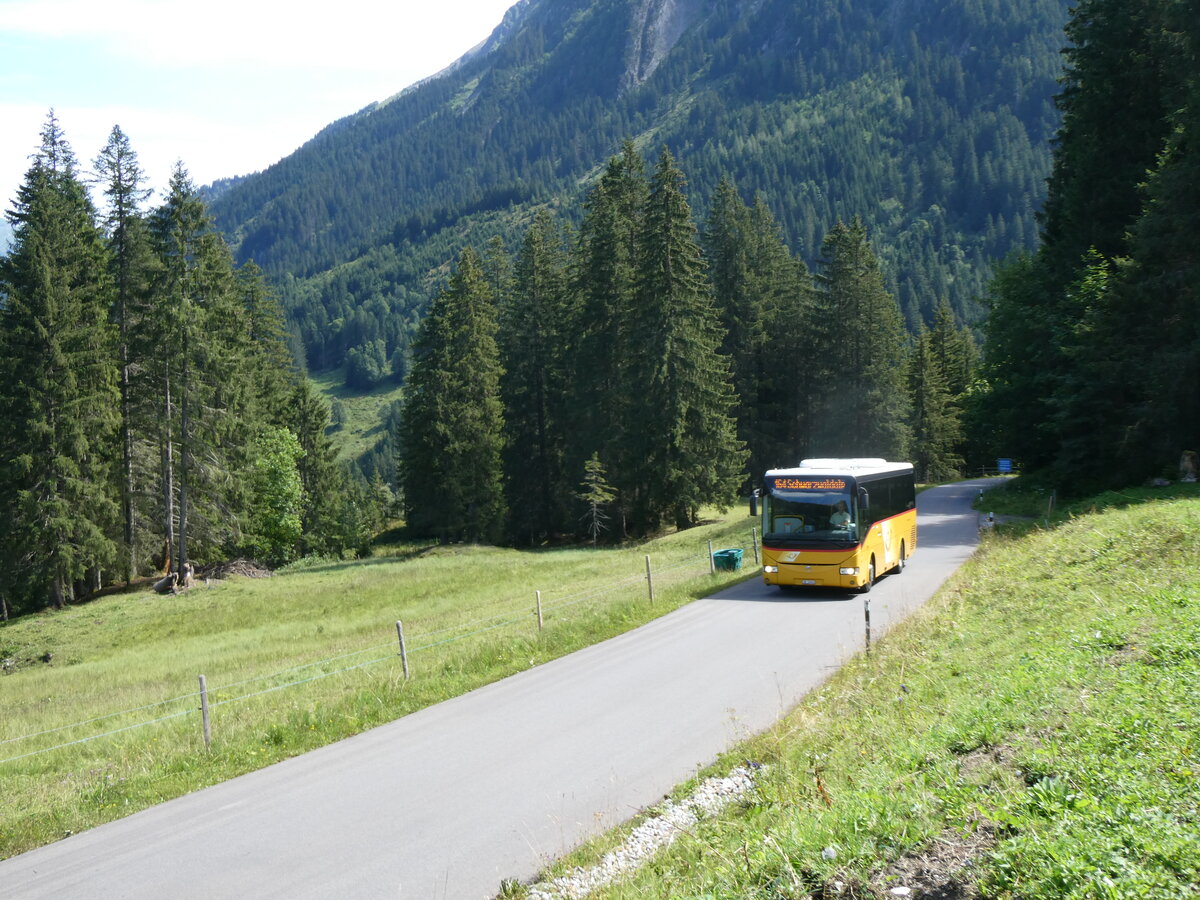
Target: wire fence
519, 612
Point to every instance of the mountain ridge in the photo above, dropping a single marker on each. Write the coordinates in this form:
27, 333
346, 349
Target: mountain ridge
929, 118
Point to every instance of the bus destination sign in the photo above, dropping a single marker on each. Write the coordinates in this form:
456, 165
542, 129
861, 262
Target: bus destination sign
803, 484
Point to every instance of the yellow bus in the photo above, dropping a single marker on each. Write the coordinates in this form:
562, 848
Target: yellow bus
838, 522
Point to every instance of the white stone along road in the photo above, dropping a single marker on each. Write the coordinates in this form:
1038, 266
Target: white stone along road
449, 801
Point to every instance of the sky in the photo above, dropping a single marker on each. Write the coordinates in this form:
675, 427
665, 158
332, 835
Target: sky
228, 87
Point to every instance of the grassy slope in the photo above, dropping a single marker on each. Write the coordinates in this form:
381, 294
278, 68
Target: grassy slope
364, 411
129, 651
1033, 732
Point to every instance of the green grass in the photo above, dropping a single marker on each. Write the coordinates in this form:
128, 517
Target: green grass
363, 425
1032, 732
469, 617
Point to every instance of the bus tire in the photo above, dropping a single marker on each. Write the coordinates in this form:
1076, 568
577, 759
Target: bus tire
870, 582
903, 561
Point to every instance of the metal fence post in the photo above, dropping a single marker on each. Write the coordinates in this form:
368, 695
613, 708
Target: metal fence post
712, 563
204, 713
867, 618
649, 578
539, 609
754, 541
403, 648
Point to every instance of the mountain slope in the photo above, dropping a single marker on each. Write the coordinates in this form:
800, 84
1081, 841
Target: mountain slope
929, 118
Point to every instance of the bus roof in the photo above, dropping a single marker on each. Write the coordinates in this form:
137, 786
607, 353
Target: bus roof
857, 468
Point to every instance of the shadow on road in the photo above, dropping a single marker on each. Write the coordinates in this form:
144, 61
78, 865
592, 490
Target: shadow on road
752, 590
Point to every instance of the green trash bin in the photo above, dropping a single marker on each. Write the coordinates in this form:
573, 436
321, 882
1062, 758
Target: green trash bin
728, 560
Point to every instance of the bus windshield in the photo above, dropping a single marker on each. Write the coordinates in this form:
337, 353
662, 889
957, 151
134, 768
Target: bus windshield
809, 515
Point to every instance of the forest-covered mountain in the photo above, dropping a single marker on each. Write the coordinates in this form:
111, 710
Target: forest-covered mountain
929, 119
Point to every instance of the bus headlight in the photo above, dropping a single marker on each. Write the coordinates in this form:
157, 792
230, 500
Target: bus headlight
850, 571
771, 569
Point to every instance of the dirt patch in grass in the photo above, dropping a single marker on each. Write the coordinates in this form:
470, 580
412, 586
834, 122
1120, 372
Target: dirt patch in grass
985, 758
943, 870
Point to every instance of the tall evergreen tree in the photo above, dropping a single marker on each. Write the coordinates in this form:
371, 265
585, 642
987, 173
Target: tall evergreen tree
1156, 315
270, 362
864, 403
1119, 89
321, 478
954, 348
936, 420
534, 328
603, 282
203, 369
681, 448
131, 269
451, 432
58, 384
1068, 345
764, 297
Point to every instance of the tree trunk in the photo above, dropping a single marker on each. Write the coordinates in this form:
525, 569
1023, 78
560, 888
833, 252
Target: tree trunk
168, 473
127, 456
184, 453
56, 599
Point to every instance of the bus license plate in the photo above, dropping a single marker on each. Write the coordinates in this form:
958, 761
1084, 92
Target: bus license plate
809, 581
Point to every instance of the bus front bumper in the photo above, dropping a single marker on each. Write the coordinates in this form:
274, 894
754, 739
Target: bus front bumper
814, 575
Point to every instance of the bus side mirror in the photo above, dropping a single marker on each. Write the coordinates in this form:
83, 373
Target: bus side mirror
864, 499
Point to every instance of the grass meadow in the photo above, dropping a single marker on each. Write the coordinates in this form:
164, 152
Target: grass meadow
295, 662
1032, 732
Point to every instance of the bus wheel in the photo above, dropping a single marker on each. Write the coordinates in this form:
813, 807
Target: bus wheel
870, 578
903, 560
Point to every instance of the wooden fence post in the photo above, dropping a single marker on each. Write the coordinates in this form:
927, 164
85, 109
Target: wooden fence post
204, 713
649, 578
712, 563
403, 648
754, 541
539, 609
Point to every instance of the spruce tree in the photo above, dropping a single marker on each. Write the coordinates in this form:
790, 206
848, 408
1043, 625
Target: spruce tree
954, 348
764, 297
269, 362
58, 385
864, 404
533, 332
603, 281
321, 478
451, 432
203, 363
1120, 87
595, 494
1156, 317
131, 262
935, 421
681, 448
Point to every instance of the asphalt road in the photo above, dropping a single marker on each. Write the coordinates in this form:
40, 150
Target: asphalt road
449, 801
